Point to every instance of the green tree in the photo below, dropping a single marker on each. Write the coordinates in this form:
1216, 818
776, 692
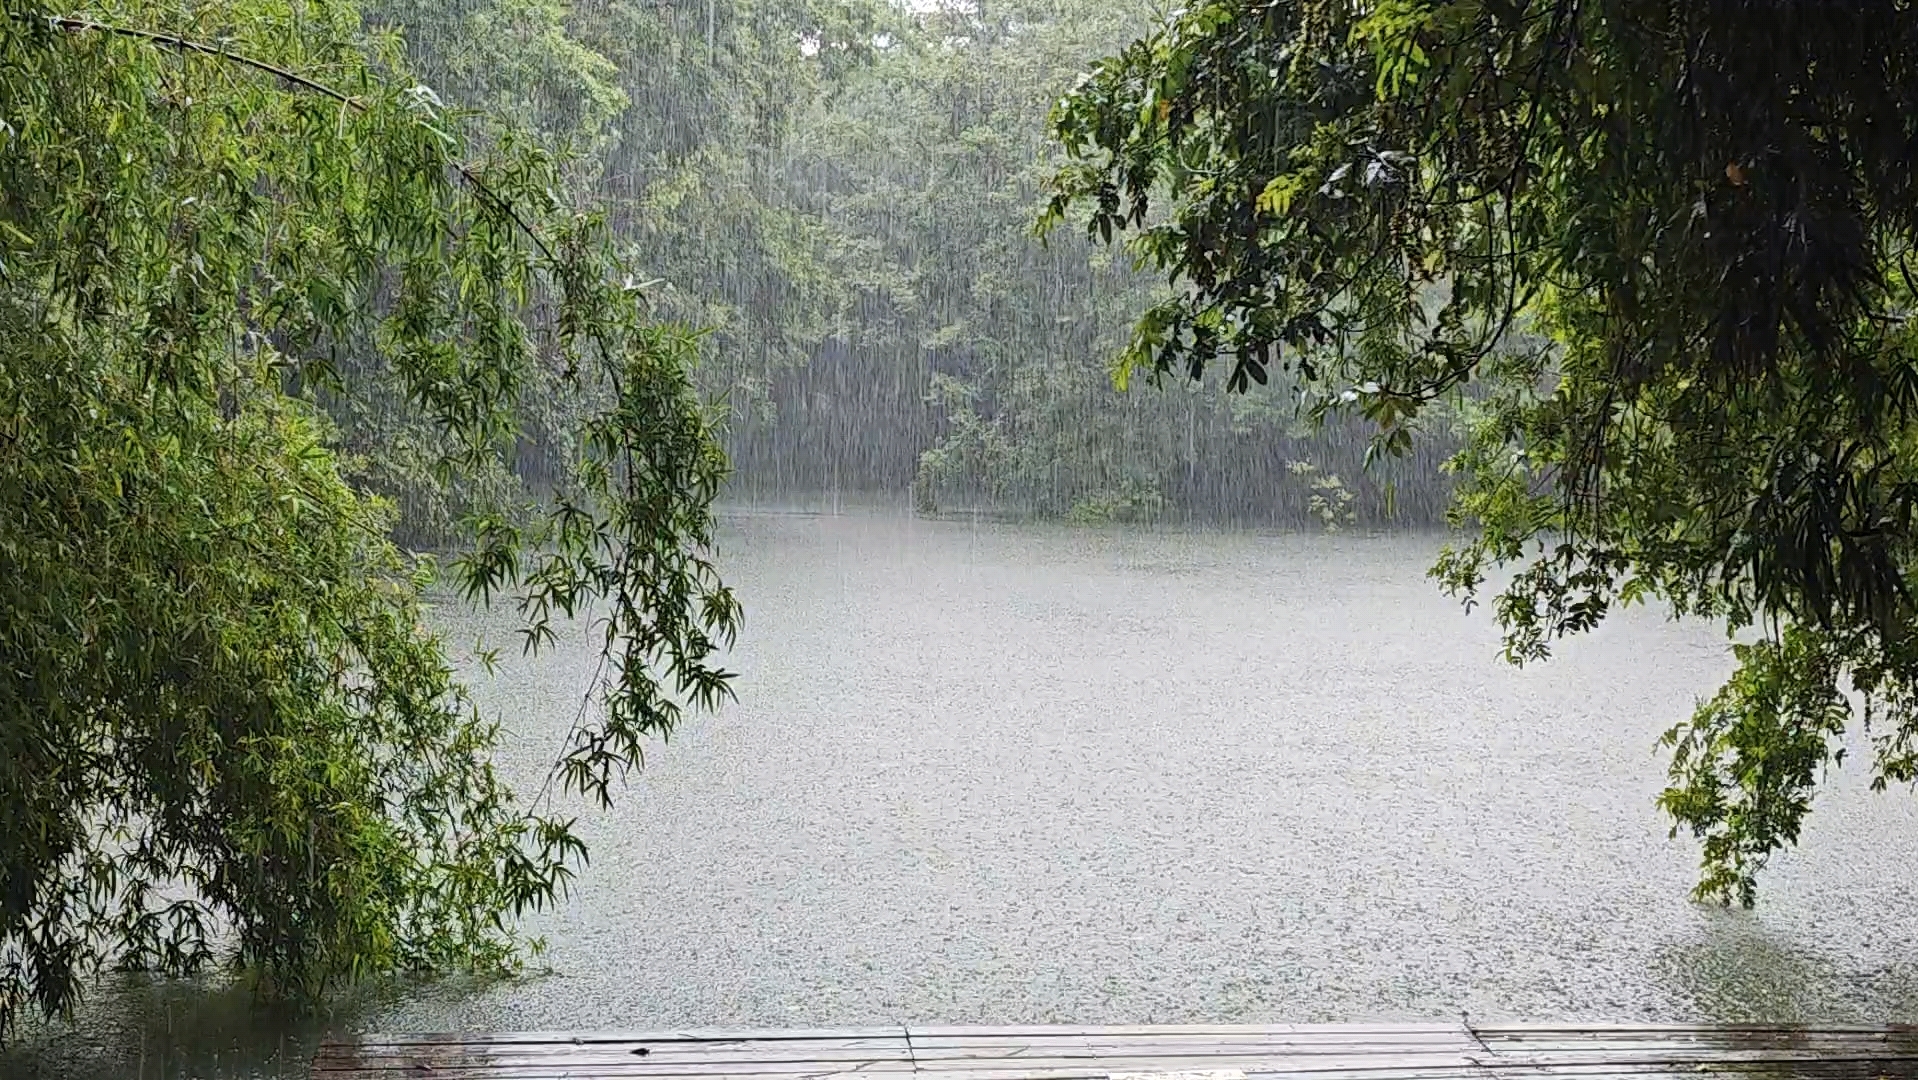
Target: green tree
968, 358
673, 116
1700, 214
928, 166
225, 732
838, 191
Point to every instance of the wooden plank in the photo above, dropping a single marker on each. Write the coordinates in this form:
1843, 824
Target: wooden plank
1089, 1052
1101, 1063
1742, 1035
455, 1058
1146, 1052
689, 1035
1589, 1070
669, 1058
1384, 1070
1273, 1047
944, 1057
933, 1056
1772, 1069
1254, 1062
1283, 1045
1457, 1034
638, 1065
1095, 1070
467, 1068
849, 1050
919, 1031
668, 1046
1686, 1061
1655, 1030
633, 1065
1708, 1052
1563, 1050
1707, 1048
1743, 1039
595, 1073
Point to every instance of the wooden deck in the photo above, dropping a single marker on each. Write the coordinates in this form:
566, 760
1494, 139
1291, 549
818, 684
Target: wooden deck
1187, 1052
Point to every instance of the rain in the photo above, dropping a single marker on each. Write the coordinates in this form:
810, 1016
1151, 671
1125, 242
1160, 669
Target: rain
1069, 690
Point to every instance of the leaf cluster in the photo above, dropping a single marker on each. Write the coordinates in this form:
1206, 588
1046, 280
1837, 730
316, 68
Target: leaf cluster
226, 733
1662, 248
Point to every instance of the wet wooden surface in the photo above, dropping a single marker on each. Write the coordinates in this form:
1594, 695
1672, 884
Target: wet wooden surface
1455, 1051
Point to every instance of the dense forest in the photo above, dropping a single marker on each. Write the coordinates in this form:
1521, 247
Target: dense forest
843, 195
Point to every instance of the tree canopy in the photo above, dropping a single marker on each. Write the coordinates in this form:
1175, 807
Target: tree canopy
225, 731
1659, 252
839, 192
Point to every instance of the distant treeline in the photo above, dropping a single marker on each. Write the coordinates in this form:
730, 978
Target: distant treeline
843, 193
1168, 453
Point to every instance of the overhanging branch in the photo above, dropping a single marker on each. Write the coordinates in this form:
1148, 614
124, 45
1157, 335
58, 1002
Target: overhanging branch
71, 24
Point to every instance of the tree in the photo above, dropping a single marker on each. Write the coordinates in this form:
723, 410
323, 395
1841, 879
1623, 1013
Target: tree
968, 359
1664, 245
224, 728
927, 167
677, 113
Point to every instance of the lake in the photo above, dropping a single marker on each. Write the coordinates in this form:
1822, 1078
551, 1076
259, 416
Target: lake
1004, 773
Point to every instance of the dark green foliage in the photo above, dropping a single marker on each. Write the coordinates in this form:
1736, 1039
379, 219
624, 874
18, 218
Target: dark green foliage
225, 734
1700, 214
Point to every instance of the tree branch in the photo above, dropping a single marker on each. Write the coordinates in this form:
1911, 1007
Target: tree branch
486, 194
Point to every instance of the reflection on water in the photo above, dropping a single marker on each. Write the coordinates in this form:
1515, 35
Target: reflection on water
1740, 970
993, 774
138, 1029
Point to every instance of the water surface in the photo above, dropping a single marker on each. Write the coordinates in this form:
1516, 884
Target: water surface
997, 773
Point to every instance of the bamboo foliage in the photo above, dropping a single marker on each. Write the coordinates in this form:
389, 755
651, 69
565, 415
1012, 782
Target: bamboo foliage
225, 735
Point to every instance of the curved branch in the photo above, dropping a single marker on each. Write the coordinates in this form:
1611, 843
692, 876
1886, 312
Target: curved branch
486, 194
77, 25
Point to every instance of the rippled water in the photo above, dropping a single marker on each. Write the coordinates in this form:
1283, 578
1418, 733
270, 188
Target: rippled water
992, 773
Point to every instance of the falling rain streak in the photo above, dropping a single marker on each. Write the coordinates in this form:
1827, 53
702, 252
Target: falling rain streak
845, 197
1065, 696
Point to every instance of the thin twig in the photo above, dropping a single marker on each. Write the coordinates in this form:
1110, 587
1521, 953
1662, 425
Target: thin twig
294, 78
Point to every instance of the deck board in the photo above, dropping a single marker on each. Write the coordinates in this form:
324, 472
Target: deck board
1204, 1051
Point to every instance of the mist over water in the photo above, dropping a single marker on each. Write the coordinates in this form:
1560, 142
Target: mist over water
1006, 773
